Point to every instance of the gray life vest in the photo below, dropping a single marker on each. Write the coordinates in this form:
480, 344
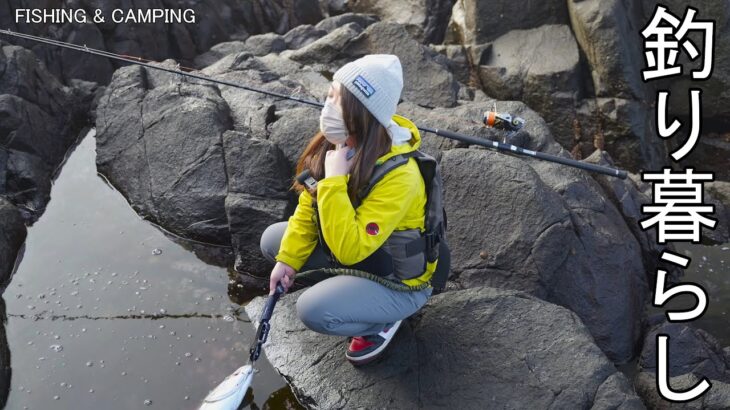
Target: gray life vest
404, 253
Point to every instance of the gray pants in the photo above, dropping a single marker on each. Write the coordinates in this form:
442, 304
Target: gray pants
345, 305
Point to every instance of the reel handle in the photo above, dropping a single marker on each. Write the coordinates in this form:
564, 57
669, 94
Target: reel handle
503, 121
262, 332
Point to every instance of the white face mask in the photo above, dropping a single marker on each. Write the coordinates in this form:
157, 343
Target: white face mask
332, 124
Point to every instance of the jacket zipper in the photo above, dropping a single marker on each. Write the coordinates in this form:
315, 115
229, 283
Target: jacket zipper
330, 255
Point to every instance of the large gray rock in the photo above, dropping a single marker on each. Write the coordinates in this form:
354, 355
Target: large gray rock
479, 21
716, 398
266, 43
12, 237
219, 51
540, 67
256, 111
720, 190
690, 350
608, 33
427, 19
300, 36
521, 60
456, 119
628, 197
138, 121
620, 126
258, 179
410, 12
693, 355
458, 61
547, 229
327, 48
258, 45
715, 90
293, 131
471, 349
272, 66
330, 24
223, 172
40, 119
616, 393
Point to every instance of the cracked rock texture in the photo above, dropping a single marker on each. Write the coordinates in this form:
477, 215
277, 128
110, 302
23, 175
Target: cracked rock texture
138, 121
539, 227
559, 234
515, 223
691, 350
693, 355
12, 236
593, 95
40, 119
717, 398
467, 349
214, 163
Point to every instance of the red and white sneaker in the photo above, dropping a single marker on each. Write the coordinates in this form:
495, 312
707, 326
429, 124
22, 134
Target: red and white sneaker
364, 349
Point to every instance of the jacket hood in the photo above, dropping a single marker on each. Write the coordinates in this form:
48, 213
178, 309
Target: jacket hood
412, 145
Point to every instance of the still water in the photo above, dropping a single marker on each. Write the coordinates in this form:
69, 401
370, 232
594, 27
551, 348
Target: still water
709, 268
107, 311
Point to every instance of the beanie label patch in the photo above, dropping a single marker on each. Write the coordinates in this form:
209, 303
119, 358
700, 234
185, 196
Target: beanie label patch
363, 86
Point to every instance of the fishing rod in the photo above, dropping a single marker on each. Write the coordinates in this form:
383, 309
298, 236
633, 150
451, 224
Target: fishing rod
138, 61
497, 120
230, 392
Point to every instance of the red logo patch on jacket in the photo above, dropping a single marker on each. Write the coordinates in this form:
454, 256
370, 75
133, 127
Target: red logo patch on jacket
372, 228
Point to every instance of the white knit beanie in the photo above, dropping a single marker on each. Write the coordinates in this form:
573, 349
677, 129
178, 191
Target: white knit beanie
377, 81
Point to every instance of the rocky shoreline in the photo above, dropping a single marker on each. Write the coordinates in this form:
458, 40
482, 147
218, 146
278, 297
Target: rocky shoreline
214, 164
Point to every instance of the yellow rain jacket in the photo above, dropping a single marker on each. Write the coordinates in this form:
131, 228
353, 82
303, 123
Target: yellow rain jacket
396, 202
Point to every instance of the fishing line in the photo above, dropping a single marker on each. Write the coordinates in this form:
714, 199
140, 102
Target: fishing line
487, 143
137, 61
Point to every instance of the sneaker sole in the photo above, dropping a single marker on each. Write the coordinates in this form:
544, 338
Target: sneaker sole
363, 362
369, 357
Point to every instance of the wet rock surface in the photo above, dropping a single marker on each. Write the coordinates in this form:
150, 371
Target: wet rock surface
541, 67
107, 308
214, 163
569, 246
522, 351
692, 355
12, 236
717, 397
213, 188
566, 241
138, 120
474, 21
690, 351
40, 121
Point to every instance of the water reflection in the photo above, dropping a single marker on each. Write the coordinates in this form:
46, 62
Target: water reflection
106, 310
4, 358
710, 268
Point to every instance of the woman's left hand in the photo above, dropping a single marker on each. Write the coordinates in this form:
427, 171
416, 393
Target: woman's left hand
336, 162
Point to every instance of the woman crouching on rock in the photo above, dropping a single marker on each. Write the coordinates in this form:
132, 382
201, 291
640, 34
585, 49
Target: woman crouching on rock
333, 227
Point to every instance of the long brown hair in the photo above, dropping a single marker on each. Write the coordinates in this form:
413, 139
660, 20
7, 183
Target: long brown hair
371, 140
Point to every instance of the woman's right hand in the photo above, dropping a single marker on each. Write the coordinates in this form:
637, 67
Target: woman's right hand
281, 273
